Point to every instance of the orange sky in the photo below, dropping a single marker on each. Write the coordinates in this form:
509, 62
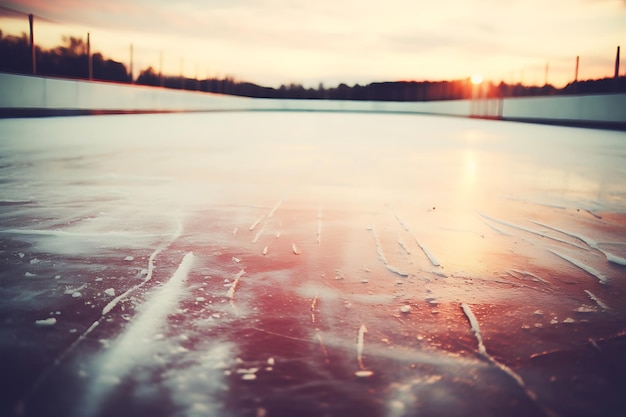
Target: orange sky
282, 41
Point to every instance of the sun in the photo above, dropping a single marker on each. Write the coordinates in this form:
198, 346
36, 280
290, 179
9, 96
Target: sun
476, 79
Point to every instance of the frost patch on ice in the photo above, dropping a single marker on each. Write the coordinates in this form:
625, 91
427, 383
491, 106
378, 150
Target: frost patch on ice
129, 258
195, 387
404, 397
110, 292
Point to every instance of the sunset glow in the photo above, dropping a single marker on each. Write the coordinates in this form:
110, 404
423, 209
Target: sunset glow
476, 79
275, 42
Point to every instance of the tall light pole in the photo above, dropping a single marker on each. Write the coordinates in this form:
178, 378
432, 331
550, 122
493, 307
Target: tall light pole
161, 68
32, 43
617, 63
131, 64
181, 74
89, 64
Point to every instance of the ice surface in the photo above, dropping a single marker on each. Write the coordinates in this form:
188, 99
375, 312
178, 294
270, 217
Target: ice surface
109, 207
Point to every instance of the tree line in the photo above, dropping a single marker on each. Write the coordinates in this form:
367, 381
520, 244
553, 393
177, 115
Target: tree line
71, 60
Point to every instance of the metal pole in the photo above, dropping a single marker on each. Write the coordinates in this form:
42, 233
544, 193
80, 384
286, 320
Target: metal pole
161, 69
32, 43
89, 64
131, 64
547, 68
577, 64
617, 64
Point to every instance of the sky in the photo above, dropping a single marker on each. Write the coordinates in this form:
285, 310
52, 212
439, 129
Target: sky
274, 42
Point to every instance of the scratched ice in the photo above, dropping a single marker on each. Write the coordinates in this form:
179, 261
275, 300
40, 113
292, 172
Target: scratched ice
311, 264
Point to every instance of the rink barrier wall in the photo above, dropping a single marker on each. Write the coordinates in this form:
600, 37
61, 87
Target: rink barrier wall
28, 96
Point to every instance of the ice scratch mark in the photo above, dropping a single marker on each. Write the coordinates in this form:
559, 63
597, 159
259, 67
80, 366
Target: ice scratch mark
148, 277
429, 255
265, 249
231, 291
535, 277
360, 345
295, 249
235, 231
319, 226
588, 269
313, 303
475, 328
324, 350
363, 372
379, 249
299, 339
532, 231
269, 216
403, 245
381, 255
593, 214
256, 223
133, 347
497, 229
483, 352
402, 223
596, 300
259, 233
588, 241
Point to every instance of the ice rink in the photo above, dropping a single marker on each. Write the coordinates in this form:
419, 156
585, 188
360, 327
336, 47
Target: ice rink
311, 264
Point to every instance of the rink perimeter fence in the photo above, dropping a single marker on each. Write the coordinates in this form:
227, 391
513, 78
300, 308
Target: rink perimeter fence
37, 96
